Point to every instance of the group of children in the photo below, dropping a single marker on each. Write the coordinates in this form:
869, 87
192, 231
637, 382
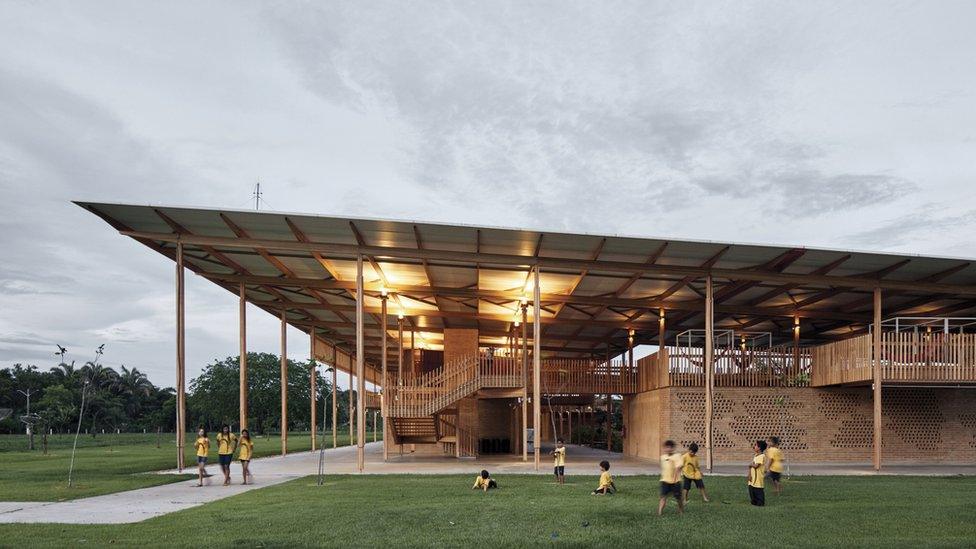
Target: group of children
227, 444
679, 471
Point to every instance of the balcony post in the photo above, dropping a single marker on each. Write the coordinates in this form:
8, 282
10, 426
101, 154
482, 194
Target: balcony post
876, 376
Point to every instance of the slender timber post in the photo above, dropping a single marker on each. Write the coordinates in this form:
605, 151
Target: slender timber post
609, 405
399, 362
796, 344
242, 358
536, 365
352, 422
335, 404
313, 393
284, 383
709, 368
180, 361
876, 376
525, 381
386, 450
662, 364
360, 370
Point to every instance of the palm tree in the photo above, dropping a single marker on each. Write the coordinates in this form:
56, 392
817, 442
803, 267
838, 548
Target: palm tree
65, 372
133, 386
102, 377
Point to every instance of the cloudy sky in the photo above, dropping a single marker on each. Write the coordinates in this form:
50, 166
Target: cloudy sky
848, 124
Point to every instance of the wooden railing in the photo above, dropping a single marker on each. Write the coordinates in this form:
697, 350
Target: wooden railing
373, 400
733, 367
840, 362
905, 357
571, 376
463, 444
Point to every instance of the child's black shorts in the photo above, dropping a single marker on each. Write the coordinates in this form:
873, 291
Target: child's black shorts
667, 488
699, 483
774, 475
559, 470
757, 496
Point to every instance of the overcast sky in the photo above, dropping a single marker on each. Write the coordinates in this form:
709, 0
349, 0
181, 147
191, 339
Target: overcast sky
848, 124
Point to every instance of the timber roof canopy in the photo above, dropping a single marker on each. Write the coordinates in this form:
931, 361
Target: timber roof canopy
594, 288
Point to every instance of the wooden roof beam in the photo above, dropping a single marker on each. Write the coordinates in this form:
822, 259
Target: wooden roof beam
555, 263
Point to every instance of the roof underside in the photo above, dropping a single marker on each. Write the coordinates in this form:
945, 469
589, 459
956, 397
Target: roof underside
594, 288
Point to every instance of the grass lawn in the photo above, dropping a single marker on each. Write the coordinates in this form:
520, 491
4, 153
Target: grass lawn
395, 511
108, 463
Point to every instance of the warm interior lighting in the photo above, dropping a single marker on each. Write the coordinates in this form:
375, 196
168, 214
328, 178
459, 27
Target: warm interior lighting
383, 292
524, 301
400, 315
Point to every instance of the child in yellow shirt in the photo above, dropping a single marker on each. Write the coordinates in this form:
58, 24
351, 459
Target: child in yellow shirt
559, 462
671, 464
202, 446
484, 481
246, 449
606, 481
692, 473
757, 471
774, 463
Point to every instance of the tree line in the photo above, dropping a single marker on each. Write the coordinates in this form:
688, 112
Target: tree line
127, 401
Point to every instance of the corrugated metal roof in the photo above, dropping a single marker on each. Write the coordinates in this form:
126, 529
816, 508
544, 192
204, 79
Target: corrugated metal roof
749, 303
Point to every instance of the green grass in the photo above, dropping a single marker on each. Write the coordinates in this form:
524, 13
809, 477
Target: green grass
108, 463
398, 511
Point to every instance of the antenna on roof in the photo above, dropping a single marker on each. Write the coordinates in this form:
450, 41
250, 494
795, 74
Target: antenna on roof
257, 196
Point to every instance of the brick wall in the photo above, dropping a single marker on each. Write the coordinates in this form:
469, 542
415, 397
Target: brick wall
459, 342
816, 425
646, 416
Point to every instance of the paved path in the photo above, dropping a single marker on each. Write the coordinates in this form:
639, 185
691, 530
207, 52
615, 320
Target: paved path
145, 503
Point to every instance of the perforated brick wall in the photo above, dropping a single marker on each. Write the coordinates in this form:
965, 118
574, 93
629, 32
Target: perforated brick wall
816, 425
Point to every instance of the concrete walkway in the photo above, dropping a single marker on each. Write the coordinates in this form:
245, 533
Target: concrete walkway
145, 503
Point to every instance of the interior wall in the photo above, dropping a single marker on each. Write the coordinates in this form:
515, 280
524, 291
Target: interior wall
459, 342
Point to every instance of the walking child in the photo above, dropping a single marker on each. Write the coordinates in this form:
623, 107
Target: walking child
671, 478
226, 446
559, 462
757, 471
202, 445
774, 460
246, 450
606, 486
692, 473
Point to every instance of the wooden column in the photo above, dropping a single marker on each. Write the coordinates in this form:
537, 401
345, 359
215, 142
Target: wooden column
386, 450
284, 384
352, 415
536, 365
413, 352
662, 364
335, 404
796, 344
525, 382
360, 370
876, 377
609, 404
180, 361
709, 365
242, 360
312, 381
630, 352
